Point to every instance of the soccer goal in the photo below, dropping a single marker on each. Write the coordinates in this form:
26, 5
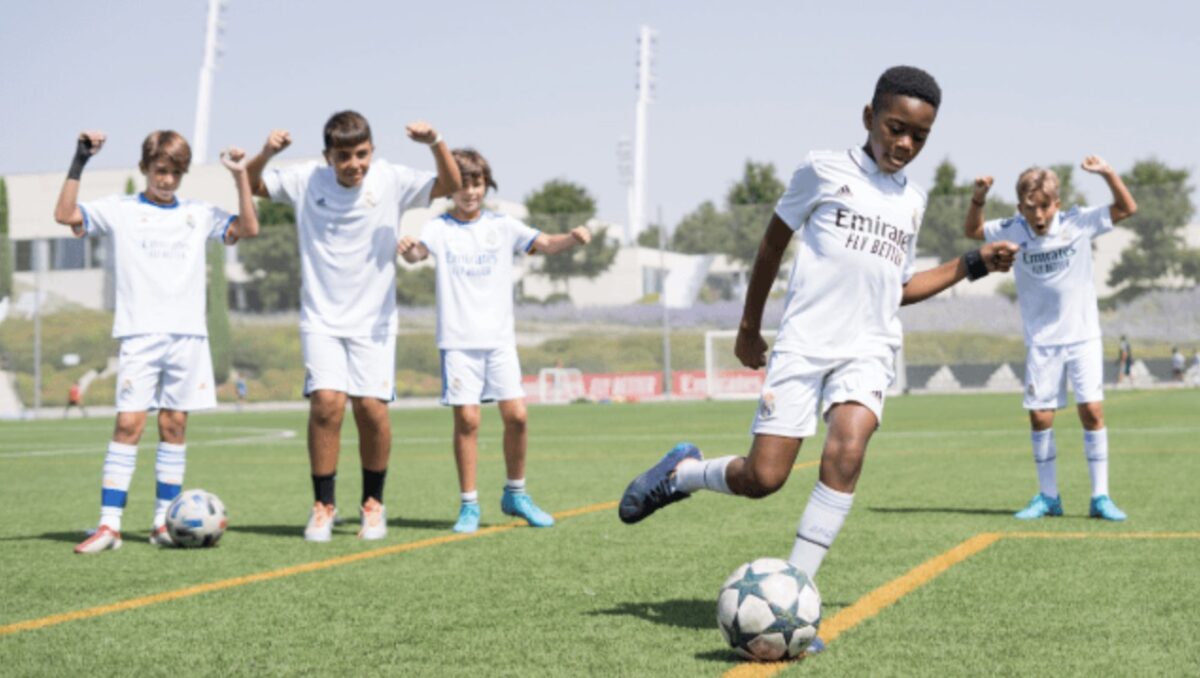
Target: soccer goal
560, 385
725, 378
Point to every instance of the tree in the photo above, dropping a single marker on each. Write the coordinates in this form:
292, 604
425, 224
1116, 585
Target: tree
751, 202
130, 186
557, 207
6, 263
1068, 195
704, 230
220, 342
1158, 251
941, 234
650, 236
273, 258
416, 286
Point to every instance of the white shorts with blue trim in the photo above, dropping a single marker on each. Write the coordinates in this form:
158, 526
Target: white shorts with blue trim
165, 371
799, 390
474, 376
362, 367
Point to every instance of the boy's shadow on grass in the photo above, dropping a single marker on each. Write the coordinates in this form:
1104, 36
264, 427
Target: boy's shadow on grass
688, 614
72, 537
941, 509
343, 525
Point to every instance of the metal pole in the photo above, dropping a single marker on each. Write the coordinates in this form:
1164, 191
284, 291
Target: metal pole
204, 91
645, 89
662, 298
39, 265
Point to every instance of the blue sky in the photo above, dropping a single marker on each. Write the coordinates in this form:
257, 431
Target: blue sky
546, 89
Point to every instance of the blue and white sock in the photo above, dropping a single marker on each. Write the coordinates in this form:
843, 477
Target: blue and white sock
119, 464
1095, 448
819, 526
706, 474
1045, 456
168, 471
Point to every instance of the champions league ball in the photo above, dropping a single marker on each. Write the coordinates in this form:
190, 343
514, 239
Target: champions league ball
768, 610
196, 518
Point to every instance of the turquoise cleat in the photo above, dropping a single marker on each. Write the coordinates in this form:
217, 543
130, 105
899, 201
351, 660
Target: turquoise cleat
1103, 507
521, 505
1041, 506
468, 518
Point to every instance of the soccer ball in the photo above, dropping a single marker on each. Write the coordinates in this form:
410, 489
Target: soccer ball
196, 518
768, 610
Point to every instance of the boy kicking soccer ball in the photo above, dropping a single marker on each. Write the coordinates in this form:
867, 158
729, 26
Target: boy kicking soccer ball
1062, 325
347, 214
474, 250
165, 364
857, 217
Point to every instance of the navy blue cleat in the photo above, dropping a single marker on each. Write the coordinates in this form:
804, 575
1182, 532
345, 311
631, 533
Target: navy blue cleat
655, 488
817, 646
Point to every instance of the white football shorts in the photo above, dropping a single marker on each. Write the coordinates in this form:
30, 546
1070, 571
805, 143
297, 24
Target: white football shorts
1083, 363
363, 367
165, 371
474, 376
799, 389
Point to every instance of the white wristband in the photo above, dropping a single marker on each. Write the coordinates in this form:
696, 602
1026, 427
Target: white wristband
437, 140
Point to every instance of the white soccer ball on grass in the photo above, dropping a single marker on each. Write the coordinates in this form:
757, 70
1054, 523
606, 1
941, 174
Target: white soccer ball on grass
768, 610
196, 518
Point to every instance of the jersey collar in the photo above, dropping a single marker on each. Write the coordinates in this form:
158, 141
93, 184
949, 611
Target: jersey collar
868, 166
144, 200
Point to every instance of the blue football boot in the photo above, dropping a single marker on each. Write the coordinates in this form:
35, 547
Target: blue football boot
521, 505
1039, 507
655, 488
817, 646
468, 518
1103, 507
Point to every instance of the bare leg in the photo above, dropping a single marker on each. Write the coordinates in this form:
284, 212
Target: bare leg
466, 445
326, 409
516, 436
374, 432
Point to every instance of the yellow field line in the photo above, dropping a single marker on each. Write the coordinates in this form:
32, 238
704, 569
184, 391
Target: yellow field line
874, 602
269, 575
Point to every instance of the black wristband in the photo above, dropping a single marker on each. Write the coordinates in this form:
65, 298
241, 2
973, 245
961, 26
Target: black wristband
976, 269
83, 153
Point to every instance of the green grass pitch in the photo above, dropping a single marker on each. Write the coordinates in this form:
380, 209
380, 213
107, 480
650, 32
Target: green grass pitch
592, 596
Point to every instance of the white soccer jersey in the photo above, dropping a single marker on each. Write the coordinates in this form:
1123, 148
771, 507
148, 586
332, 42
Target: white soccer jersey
858, 229
159, 260
347, 239
475, 278
1054, 274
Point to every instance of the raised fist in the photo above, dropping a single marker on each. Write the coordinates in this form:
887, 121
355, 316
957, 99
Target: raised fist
277, 140
421, 132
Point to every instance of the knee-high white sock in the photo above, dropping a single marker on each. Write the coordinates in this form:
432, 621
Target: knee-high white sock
1045, 456
119, 464
168, 472
1095, 448
819, 526
707, 474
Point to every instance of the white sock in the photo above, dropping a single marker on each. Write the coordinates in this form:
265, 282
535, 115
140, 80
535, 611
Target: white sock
819, 526
1095, 448
169, 465
1045, 456
706, 474
471, 497
119, 464
517, 485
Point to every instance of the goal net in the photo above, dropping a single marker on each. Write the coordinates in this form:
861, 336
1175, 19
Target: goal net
560, 385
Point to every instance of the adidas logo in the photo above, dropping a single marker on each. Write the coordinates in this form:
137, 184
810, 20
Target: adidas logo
844, 191
320, 202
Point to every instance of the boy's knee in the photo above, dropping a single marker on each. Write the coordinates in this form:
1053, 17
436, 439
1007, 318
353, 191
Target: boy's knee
466, 423
762, 482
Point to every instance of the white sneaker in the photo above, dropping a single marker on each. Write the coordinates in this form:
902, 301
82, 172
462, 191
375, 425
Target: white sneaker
159, 536
374, 521
103, 539
320, 523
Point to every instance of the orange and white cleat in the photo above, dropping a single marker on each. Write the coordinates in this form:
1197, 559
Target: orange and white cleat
159, 536
320, 523
374, 521
103, 539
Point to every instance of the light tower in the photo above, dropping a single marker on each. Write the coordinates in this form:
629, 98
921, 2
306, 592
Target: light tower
647, 41
212, 49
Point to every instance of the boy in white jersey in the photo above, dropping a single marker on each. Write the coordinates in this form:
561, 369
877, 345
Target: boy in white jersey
160, 244
348, 214
857, 217
1062, 325
474, 251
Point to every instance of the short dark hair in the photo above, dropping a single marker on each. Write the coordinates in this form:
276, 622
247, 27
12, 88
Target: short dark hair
471, 163
906, 81
346, 128
167, 145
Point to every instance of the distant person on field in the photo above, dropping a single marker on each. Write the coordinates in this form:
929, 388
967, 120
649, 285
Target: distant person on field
75, 399
242, 391
1061, 317
1124, 361
474, 250
348, 212
854, 217
1178, 363
164, 363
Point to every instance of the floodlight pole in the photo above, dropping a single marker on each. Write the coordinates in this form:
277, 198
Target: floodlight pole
662, 298
645, 90
204, 91
40, 246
